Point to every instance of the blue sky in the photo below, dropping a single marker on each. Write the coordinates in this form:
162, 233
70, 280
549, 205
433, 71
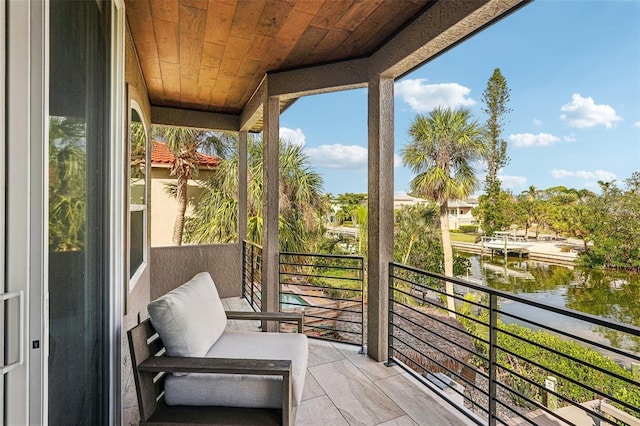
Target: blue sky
573, 68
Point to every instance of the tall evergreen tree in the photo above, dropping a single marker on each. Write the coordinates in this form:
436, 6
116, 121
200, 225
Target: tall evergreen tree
495, 98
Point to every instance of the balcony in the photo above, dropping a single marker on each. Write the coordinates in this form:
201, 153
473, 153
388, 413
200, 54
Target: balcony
344, 387
503, 359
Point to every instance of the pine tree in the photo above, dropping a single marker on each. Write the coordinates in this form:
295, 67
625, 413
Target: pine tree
495, 98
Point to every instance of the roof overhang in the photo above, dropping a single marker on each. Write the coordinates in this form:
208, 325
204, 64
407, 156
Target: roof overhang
430, 30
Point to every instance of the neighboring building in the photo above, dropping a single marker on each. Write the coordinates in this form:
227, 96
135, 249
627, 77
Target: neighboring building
401, 200
163, 205
460, 212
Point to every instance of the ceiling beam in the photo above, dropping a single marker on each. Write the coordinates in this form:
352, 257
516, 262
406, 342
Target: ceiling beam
167, 116
351, 74
437, 29
252, 112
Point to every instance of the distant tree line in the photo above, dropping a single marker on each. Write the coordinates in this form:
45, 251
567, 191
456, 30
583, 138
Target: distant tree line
607, 224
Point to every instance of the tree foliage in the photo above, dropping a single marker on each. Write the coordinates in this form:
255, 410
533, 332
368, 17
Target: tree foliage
606, 223
348, 203
610, 223
67, 184
186, 144
443, 147
495, 98
302, 204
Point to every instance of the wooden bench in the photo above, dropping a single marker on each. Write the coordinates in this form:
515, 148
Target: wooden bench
151, 366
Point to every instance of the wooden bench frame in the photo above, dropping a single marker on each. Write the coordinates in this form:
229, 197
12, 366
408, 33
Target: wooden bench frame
151, 365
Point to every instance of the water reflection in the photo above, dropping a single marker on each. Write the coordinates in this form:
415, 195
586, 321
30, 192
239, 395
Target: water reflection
611, 295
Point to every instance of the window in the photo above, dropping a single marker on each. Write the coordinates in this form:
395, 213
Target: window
138, 199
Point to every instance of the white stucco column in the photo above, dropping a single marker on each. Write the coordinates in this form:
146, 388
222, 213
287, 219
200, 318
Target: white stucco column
242, 186
380, 219
271, 211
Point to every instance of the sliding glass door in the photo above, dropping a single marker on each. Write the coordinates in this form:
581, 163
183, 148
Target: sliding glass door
79, 207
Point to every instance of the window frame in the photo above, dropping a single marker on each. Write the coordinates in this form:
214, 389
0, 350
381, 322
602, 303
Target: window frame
131, 207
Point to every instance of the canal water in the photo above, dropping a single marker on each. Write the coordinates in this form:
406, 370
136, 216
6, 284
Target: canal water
611, 295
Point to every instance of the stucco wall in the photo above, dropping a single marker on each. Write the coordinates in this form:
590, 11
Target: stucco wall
173, 266
138, 296
165, 207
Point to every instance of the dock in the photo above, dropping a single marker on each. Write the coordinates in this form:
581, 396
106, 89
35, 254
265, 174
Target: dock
541, 251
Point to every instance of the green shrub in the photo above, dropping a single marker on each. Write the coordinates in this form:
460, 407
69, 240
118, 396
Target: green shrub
548, 360
469, 229
523, 344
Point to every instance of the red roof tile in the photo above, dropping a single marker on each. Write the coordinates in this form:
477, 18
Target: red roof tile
161, 155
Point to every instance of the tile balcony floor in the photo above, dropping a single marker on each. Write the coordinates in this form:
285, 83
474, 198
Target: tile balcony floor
344, 387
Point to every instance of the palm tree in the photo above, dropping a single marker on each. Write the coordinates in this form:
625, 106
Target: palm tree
444, 145
413, 223
185, 144
360, 213
301, 200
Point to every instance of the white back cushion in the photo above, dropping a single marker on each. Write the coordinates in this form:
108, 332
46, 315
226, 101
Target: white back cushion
190, 318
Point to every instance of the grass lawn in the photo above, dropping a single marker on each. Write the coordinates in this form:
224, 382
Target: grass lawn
462, 238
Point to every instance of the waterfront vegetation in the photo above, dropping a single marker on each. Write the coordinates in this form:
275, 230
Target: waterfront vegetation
527, 356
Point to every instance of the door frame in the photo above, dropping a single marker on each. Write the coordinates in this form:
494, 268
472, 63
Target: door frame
26, 183
3, 53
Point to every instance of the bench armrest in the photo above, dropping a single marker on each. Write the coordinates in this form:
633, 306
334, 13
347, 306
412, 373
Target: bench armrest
261, 367
170, 364
269, 316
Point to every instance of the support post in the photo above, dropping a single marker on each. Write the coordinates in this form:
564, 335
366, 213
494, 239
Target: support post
551, 400
380, 213
242, 186
493, 343
271, 210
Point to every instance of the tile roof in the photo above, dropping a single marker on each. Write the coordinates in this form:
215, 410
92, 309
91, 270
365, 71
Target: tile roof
161, 156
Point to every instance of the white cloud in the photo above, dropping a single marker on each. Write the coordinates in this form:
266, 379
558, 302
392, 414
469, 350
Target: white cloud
602, 175
294, 136
583, 112
560, 173
636, 124
537, 122
347, 157
529, 139
425, 97
513, 182
569, 138
337, 156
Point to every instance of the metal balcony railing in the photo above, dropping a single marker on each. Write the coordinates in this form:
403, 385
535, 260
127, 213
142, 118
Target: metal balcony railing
506, 359
329, 289
252, 274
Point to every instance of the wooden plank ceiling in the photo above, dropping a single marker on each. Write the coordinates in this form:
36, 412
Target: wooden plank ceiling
211, 55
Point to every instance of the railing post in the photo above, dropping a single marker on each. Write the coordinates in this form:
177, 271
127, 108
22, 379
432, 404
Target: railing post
244, 269
279, 284
389, 362
252, 278
493, 341
362, 348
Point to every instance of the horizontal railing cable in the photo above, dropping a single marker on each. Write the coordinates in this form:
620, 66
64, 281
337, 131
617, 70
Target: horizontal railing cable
421, 347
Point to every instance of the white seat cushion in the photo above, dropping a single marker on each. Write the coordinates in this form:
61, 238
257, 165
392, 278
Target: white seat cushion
230, 390
190, 318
